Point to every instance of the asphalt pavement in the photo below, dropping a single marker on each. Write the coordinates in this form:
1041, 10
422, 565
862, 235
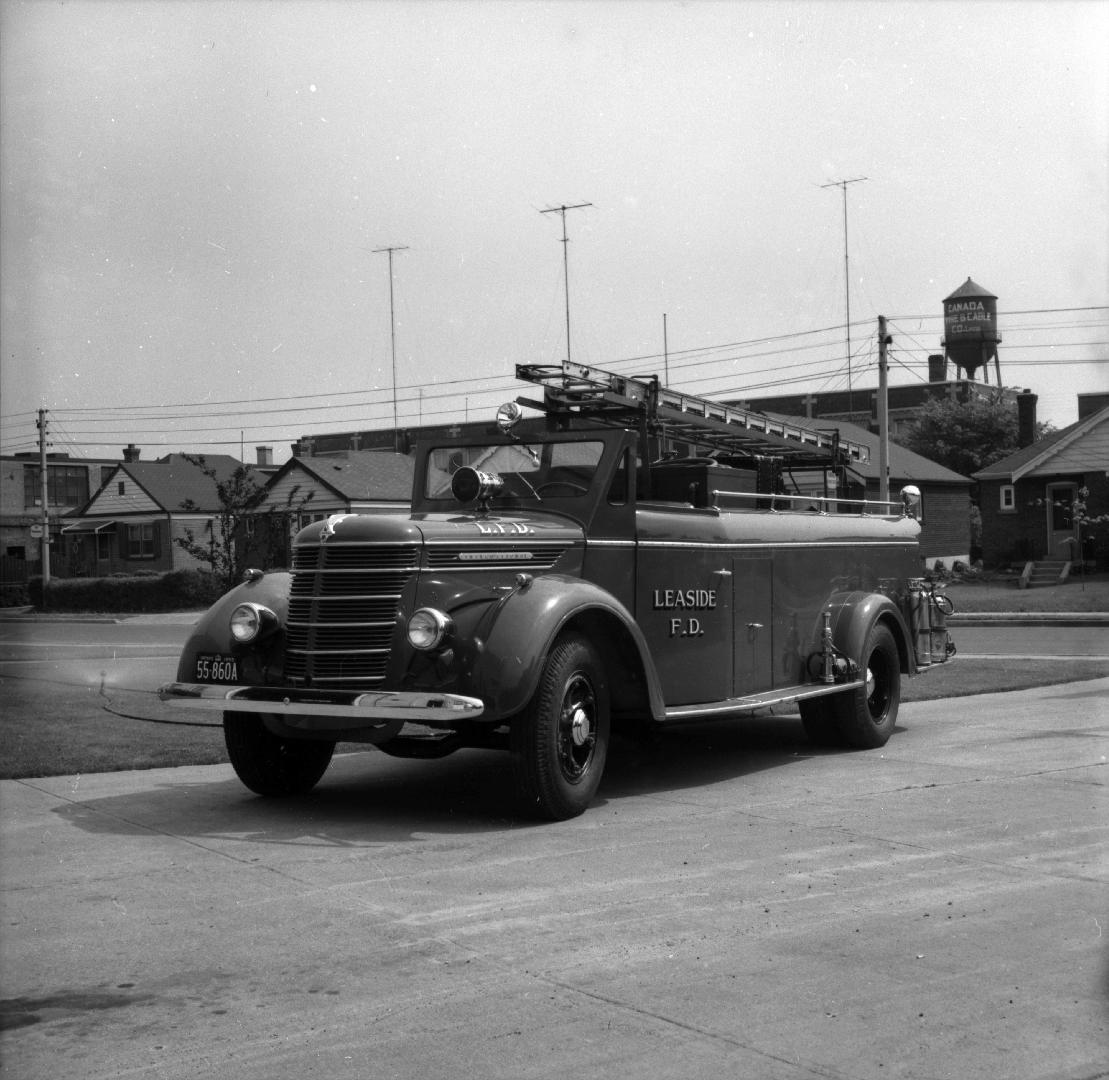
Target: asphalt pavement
735, 904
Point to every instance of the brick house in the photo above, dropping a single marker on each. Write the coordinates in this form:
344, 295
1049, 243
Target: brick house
1037, 503
70, 482
131, 523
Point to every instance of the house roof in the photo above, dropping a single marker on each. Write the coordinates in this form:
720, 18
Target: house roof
905, 465
358, 475
1037, 457
173, 480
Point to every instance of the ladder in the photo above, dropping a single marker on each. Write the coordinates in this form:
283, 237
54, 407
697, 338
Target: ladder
575, 389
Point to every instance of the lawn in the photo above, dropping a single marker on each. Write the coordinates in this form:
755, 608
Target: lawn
1088, 593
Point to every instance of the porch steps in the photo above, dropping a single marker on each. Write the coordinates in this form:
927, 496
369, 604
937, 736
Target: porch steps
1044, 572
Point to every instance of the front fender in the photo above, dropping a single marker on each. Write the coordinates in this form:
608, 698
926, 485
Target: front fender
853, 614
212, 634
524, 627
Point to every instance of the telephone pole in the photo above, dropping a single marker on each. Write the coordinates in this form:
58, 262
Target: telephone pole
393, 340
44, 488
842, 184
565, 261
884, 339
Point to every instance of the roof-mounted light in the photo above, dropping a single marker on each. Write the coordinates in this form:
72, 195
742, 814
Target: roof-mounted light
508, 416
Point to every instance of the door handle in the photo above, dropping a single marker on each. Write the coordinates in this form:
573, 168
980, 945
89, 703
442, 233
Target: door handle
722, 573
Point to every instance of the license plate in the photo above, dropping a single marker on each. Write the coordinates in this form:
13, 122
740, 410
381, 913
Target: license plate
217, 668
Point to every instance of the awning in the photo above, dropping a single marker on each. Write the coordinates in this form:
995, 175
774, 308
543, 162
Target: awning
89, 527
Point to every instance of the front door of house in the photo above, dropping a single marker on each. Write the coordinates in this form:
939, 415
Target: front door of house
1060, 521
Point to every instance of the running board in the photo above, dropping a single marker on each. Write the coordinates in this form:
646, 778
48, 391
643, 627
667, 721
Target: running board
751, 702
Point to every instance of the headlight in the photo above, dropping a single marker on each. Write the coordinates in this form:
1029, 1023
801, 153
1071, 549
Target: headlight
251, 621
428, 628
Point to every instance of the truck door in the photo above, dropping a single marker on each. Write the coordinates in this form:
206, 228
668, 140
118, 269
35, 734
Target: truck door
752, 584
684, 607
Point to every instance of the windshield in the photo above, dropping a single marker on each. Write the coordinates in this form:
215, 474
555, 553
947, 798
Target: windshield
529, 470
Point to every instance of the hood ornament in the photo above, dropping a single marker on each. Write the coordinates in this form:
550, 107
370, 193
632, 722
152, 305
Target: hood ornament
327, 530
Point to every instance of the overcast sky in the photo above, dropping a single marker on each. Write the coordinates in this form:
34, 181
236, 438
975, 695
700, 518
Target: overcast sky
193, 193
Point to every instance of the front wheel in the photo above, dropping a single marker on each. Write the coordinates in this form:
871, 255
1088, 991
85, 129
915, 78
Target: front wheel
560, 742
269, 765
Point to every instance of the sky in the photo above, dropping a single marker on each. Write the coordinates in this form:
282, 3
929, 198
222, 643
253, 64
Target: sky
196, 194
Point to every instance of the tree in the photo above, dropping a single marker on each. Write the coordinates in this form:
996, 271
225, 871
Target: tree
240, 497
966, 436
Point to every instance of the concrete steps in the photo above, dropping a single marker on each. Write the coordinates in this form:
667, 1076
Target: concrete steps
1044, 572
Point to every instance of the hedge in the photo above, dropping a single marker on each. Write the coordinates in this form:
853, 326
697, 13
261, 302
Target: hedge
179, 590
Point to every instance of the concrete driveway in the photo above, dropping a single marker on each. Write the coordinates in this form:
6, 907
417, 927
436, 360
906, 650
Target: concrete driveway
734, 905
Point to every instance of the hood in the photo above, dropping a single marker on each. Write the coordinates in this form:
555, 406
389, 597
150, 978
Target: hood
517, 526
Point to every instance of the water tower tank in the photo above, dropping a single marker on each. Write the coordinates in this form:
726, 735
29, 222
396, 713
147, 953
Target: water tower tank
970, 327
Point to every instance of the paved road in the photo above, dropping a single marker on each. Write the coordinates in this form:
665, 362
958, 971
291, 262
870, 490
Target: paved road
734, 905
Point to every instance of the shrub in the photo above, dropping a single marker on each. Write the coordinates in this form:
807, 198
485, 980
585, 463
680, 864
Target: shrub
14, 595
179, 590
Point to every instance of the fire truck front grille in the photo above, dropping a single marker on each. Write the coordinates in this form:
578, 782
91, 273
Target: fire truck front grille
343, 610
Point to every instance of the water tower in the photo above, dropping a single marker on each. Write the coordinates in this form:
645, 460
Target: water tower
970, 330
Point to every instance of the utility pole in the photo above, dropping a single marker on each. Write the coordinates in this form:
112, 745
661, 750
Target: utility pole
44, 487
665, 353
883, 413
393, 340
842, 184
565, 261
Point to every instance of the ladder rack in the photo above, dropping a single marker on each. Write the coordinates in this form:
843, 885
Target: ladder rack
621, 399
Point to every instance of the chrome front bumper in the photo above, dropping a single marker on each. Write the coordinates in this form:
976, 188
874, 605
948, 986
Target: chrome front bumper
343, 708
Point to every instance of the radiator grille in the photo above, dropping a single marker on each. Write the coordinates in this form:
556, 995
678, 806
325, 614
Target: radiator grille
342, 611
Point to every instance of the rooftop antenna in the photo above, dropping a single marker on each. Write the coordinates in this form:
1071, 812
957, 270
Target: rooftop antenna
565, 261
842, 184
393, 339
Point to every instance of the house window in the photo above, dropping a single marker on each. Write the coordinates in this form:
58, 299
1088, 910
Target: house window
122, 487
140, 541
1008, 498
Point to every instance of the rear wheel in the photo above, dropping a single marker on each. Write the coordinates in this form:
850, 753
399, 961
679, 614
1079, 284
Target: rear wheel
866, 717
560, 742
269, 765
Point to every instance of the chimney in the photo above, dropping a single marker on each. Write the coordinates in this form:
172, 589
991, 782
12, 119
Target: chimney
1026, 418
265, 454
131, 453
937, 368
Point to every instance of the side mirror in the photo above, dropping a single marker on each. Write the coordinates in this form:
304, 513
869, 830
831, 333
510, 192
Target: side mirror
912, 503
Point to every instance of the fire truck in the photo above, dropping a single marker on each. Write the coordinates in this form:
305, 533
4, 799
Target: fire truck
626, 558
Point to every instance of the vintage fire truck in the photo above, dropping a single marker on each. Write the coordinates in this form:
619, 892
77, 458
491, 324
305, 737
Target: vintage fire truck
629, 557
